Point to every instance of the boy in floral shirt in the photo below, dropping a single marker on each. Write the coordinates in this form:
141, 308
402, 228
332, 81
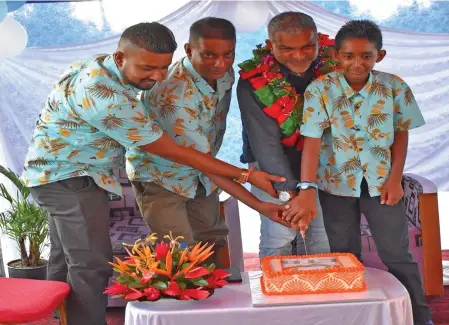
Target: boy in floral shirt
356, 124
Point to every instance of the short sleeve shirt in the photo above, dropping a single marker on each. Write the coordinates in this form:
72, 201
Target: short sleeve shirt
194, 115
357, 129
88, 118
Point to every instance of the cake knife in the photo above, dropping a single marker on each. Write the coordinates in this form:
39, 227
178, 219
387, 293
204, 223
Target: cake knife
303, 235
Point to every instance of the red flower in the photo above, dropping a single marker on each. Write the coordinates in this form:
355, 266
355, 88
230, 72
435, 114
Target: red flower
220, 274
258, 82
161, 250
134, 295
274, 110
152, 293
324, 40
173, 289
268, 59
291, 140
146, 277
194, 294
249, 74
197, 273
117, 289
215, 282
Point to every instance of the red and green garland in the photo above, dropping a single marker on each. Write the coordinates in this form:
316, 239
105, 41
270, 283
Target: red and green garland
282, 102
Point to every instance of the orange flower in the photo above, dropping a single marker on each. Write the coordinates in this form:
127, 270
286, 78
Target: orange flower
169, 262
183, 258
121, 266
199, 252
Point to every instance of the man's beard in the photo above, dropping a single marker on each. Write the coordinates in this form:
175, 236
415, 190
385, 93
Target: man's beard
140, 87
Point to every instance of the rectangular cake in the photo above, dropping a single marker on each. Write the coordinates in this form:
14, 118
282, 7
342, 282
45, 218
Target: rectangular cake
310, 274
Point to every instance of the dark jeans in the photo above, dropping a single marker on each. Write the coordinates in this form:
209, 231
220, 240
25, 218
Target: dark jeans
388, 225
78, 215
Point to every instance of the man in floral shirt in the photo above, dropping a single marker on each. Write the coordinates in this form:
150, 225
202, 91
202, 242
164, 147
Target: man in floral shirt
191, 106
89, 117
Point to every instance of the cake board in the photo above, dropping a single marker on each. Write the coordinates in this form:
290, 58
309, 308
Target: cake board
374, 293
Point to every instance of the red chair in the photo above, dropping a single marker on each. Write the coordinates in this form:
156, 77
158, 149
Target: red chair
26, 300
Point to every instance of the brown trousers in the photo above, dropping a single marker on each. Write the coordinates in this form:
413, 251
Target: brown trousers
196, 219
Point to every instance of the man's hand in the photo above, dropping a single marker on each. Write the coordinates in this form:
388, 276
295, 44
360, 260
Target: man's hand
264, 181
302, 206
273, 212
303, 224
392, 192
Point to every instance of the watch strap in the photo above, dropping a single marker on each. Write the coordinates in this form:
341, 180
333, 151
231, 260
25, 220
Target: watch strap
306, 185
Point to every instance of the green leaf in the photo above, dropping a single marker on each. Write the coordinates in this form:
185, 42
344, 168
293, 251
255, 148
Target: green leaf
15, 179
247, 65
265, 95
125, 278
289, 126
211, 267
278, 87
159, 285
184, 265
137, 285
200, 283
279, 92
182, 285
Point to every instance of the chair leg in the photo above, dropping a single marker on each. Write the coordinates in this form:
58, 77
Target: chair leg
62, 314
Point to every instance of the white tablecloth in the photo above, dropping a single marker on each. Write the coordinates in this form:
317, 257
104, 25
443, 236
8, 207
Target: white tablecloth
232, 305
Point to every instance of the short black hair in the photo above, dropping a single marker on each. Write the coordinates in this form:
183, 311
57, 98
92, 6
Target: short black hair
360, 29
212, 27
153, 37
290, 22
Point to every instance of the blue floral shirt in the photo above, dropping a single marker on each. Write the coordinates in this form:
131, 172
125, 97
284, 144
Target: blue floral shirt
194, 115
88, 119
357, 129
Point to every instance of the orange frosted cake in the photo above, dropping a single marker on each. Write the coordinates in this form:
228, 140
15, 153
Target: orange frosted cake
321, 273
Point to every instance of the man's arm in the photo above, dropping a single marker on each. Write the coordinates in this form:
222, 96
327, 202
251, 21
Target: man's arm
303, 207
168, 149
270, 210
265, 137
128, 124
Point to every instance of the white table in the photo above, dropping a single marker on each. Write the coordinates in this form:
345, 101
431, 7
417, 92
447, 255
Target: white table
232, 305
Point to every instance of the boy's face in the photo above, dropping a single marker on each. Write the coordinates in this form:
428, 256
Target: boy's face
357, 57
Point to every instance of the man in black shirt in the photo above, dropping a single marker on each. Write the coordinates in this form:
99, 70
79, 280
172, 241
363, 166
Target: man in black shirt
294, 45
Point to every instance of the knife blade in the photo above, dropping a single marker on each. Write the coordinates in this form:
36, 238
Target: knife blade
303, 235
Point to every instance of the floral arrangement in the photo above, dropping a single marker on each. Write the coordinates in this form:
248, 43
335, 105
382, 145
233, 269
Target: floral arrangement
152, 271
277, 94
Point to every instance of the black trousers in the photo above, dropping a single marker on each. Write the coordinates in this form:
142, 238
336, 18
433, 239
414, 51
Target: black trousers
389, 229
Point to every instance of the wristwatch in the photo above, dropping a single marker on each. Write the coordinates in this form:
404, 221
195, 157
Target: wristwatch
284, 196
306, 185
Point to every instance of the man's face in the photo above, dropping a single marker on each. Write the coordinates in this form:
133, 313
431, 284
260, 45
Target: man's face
141, 68
211, 58
357, 57
296, 50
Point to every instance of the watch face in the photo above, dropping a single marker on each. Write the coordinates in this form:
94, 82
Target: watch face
284, 196
304, 187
